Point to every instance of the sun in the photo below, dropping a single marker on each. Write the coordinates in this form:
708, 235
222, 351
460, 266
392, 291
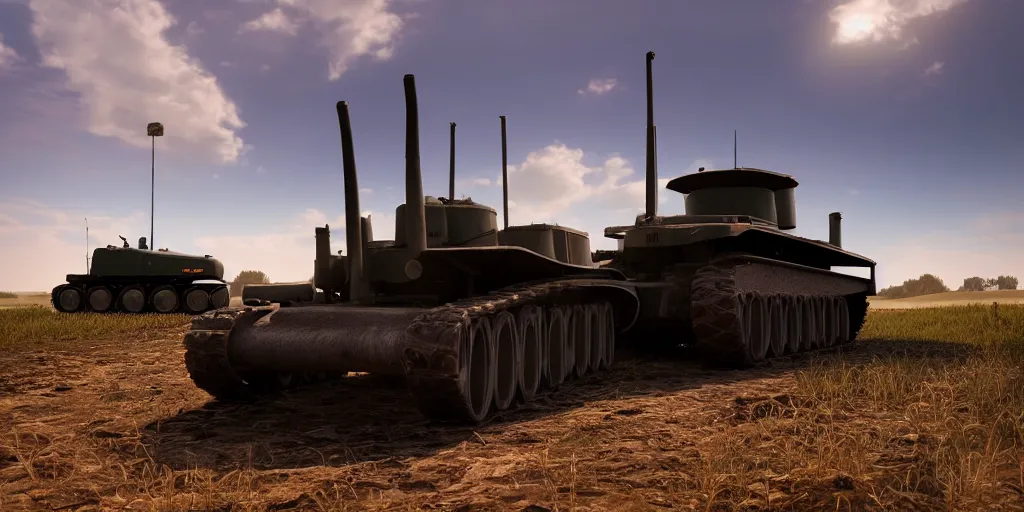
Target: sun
855, 27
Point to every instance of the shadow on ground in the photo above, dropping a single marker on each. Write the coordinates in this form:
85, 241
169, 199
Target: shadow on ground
360, 418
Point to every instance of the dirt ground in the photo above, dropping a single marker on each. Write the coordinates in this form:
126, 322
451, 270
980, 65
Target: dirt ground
119, 425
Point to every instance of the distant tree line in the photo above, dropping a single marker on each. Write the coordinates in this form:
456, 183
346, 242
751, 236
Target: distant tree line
928, 284
923, 285
978, 284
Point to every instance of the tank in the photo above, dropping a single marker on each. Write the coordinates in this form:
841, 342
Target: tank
727, 277
138, 280
473, 318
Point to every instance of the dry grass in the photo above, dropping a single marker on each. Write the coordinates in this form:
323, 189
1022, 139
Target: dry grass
12, 299
22, 328
943, 299
925, 414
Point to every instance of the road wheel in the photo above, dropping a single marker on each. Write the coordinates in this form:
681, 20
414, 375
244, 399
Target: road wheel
68, 299
164, 299
100, 299
132, 299
196, 301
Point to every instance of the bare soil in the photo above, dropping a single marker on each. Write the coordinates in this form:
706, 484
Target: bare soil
117, 424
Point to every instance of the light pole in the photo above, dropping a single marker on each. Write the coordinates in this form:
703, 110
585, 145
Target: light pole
87, 245
153, 130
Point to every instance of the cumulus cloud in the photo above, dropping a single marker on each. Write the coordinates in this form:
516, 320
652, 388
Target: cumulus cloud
935, 68
348, 30
150, 80
554, 180
599, 86
878, 20
273, 21
7, 54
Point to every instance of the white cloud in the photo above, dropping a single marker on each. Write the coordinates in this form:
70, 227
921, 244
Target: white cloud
273, 21
193, 29
599, 86
553, 184
150, 80
7, 54
349, 29
935, 68
877, 20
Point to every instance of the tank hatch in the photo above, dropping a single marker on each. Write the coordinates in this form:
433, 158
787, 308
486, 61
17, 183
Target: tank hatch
739, 177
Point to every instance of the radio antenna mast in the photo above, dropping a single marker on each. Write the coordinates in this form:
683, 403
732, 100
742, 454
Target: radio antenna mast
87, 245
734, 164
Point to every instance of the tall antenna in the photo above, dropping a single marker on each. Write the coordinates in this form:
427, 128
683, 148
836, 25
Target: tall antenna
504, 172
734, 164
451, 165
87, 245
651, 195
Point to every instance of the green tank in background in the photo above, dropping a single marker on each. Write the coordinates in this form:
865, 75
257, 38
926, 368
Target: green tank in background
138, 280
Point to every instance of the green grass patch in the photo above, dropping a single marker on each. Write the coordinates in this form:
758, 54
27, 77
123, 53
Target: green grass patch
36, 327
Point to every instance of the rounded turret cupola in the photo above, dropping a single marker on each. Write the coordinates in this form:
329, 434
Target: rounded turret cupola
757, 193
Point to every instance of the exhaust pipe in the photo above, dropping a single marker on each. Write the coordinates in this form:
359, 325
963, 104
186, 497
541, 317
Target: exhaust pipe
652, 147
353, 225
451, 166
367, 231
835, 229
504, 173
415, 213
322, 263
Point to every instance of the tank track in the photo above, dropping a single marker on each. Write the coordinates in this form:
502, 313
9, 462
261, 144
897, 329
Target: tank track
741, 327
435, 340
115, 288
732, 325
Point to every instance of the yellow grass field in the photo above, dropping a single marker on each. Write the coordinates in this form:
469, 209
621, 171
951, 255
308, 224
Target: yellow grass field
950, 299
924, 412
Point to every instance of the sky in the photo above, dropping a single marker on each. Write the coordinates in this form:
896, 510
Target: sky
904, 115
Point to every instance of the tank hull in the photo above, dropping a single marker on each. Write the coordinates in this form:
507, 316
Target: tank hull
738, 289
135, 281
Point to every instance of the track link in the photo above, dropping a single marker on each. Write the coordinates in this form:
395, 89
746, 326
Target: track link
740, 327
435, 360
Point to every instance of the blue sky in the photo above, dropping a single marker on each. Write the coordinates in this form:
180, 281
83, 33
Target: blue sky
904, 115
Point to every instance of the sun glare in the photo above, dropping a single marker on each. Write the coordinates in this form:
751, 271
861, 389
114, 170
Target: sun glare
856, 27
